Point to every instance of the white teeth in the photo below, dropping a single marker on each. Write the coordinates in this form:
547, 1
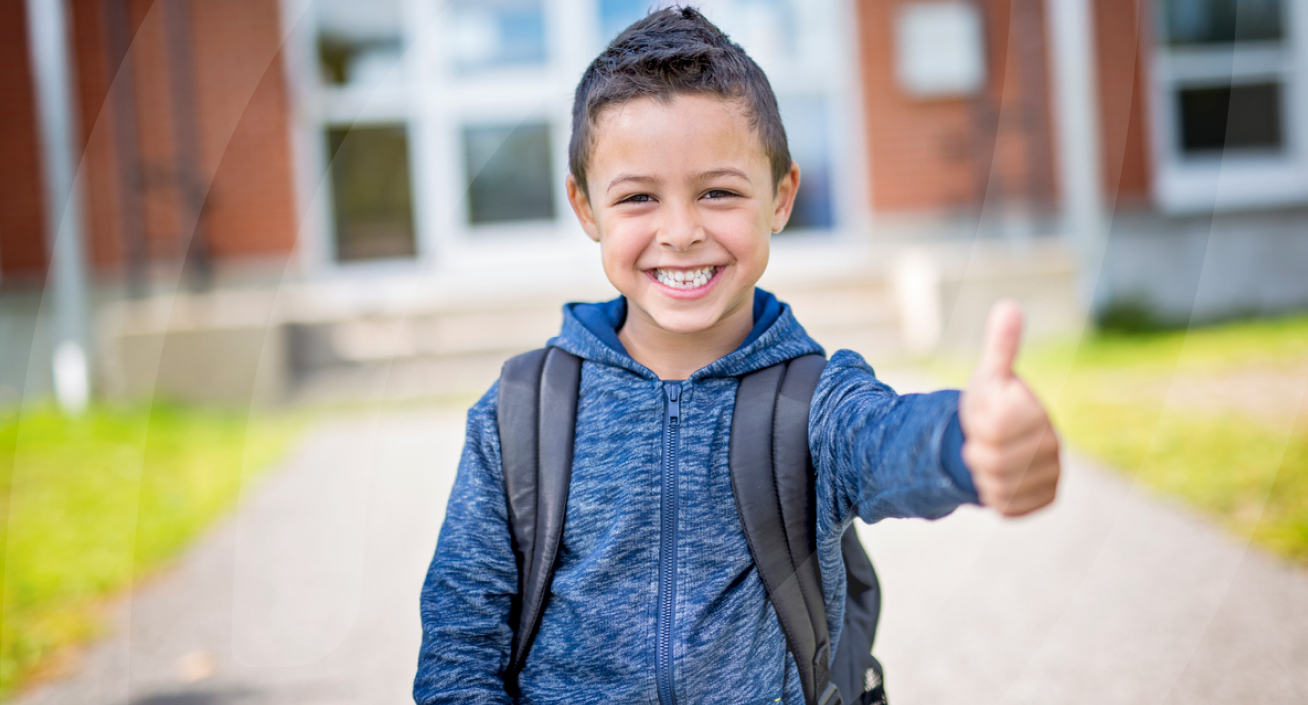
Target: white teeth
685, 278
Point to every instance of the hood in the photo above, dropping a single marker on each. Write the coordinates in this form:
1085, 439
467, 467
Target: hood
590, 331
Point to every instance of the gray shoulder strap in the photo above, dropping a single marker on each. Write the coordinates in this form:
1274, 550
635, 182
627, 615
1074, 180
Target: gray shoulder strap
772, 479
537, 411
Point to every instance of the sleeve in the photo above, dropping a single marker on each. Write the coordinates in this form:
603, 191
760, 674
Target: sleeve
466, 635
879, 454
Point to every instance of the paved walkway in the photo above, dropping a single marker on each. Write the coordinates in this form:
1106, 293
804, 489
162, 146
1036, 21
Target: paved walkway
309, 595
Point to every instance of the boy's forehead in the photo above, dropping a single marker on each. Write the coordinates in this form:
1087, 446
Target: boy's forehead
648, 129
685, 100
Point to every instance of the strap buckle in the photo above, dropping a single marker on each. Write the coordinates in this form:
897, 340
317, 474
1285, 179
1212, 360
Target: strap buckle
830, 696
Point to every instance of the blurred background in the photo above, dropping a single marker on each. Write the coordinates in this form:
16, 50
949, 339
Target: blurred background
226, 226
311, 187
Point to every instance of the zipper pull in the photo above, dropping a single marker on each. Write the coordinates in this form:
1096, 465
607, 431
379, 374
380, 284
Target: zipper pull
673, 390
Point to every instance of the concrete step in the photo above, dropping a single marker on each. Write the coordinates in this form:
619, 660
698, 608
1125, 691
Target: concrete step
322, 342
436, 354
854, 314
834, 312
388, 338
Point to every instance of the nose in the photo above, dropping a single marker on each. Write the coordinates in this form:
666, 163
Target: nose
681, 229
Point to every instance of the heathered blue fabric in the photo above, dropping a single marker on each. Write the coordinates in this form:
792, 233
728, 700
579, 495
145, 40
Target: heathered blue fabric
877, 455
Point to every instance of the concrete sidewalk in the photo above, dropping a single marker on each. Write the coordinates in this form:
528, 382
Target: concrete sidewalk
309, 595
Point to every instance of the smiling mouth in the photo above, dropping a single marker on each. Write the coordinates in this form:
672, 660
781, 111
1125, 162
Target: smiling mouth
685, 278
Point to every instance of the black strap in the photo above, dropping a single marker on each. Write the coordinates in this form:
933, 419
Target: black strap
772, 479
537, 411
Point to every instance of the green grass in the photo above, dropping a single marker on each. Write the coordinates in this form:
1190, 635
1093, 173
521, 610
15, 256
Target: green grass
1179, 412
93, 503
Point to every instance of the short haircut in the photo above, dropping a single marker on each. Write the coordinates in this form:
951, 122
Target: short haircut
670, 52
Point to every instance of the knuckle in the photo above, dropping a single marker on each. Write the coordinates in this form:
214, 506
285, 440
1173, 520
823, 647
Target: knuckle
980, 457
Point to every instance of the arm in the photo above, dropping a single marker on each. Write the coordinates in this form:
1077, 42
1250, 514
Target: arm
880, 454
466, 634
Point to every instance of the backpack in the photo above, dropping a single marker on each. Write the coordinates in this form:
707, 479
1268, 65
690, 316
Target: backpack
772, 479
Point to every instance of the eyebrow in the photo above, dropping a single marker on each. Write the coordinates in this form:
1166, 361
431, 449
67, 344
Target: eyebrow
703, 176
623, 178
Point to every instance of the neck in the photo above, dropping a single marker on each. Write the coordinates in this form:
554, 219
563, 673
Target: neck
672, 355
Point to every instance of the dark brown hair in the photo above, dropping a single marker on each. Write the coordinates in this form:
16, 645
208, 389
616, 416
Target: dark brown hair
670, 52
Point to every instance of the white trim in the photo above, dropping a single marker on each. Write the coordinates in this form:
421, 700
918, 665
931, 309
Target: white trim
858, 215
291, 14
1199, 66
54, 88
1076, 120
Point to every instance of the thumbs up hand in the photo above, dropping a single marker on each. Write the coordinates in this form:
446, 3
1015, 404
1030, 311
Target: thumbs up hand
1010, 446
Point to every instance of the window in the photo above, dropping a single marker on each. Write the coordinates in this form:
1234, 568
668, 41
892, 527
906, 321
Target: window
509, 173
1231, 117
371, 197
1228, 131
435, 131
617, 15
940, 49
486, 34
792, 41
357, 43
1221, 22
766, 29
805, 118
362, 129
1217, 108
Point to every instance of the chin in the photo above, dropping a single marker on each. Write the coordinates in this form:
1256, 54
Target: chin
687, 324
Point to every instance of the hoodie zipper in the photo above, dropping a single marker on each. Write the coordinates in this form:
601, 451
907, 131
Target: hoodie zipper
668, 544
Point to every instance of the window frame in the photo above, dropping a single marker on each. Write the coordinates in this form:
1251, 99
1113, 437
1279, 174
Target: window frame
1232, 181
435, 100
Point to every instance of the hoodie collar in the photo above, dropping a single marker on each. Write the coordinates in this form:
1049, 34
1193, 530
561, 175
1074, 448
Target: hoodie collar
590, 331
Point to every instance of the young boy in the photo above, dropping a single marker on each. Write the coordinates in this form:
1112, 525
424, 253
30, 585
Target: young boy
680, 171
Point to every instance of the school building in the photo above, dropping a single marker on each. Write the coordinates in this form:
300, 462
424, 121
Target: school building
340, 181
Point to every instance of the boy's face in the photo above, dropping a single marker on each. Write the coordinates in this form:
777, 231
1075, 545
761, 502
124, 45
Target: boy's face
682, 203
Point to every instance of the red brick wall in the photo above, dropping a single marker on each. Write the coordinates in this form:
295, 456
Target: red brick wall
1122, 36
245, 141
937, 154
242, 159
919, 152
22, 225
945, 153
97, 122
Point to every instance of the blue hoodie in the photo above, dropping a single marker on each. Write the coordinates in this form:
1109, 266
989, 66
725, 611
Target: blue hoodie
655, 597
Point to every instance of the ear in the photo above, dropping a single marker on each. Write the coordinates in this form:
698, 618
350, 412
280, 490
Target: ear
784, 201
581, 206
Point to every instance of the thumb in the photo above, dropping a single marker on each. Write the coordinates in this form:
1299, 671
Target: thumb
1002, 338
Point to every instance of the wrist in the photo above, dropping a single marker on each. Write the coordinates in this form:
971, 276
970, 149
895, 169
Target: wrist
952, 456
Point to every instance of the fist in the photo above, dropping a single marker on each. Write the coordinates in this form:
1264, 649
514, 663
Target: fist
1010, 446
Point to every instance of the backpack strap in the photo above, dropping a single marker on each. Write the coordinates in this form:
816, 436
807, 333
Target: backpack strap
537, 412
772, 479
